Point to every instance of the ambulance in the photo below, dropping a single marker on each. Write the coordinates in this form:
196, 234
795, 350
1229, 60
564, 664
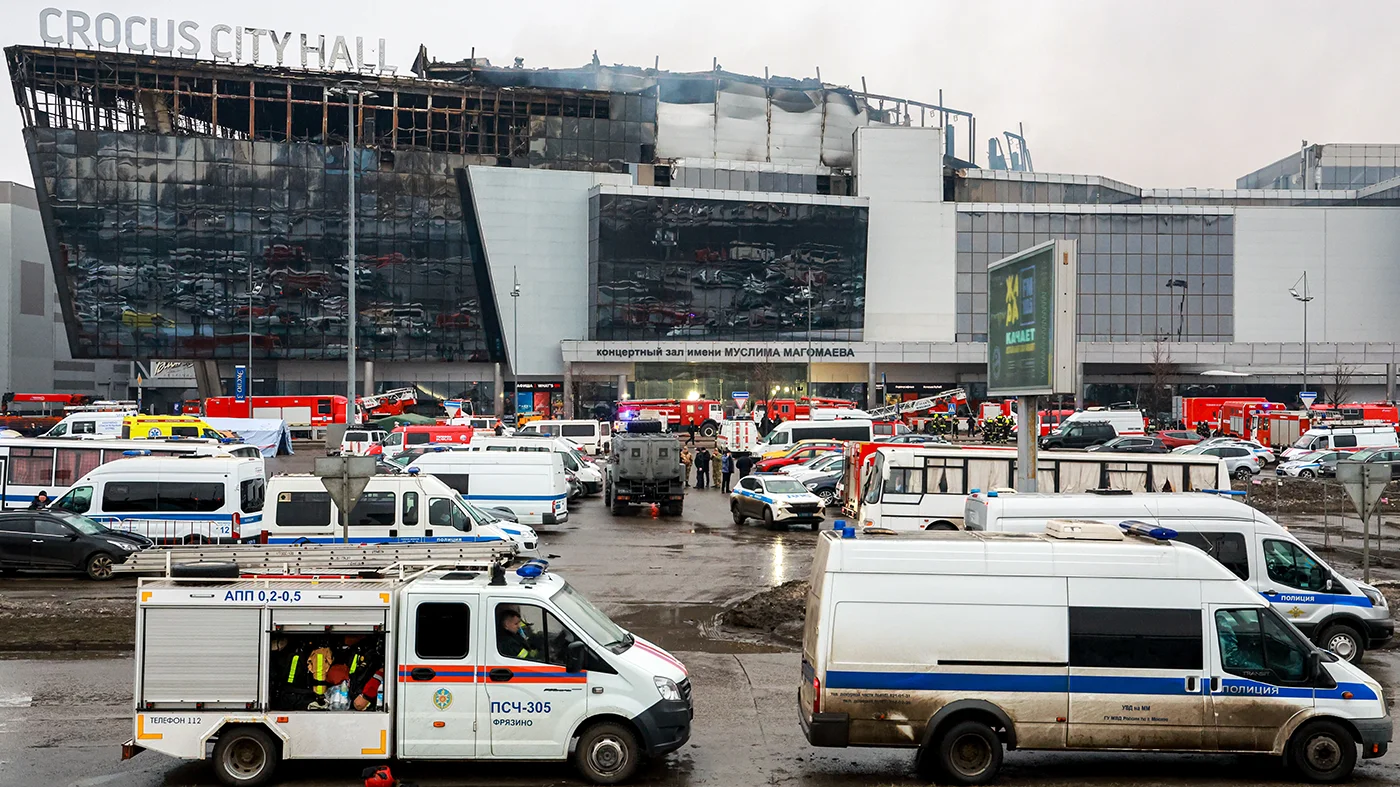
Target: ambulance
1085, 636
473, 662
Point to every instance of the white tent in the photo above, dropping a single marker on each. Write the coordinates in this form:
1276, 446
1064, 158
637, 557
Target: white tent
270, 435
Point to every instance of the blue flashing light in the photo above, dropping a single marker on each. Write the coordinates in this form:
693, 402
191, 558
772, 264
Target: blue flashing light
533, 569
1138, 528
174, 437
993, 493
848, 532
414, 470
437, 449
976, 491
1226, 492
839, 524
137, 452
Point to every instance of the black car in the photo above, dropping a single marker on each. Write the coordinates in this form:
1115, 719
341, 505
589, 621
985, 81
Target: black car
58, 540
1133, 445
824, 486
1079, 434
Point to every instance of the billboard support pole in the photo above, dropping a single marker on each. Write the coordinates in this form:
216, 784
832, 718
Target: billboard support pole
1027, 433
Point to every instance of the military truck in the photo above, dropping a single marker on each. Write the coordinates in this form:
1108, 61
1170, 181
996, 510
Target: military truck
644, 468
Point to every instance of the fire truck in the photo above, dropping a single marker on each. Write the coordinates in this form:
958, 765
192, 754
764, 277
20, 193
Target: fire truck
394, 402
704, 414
1244, 418
295, 410
33, 413
1192, 410
800, 409
1282, 428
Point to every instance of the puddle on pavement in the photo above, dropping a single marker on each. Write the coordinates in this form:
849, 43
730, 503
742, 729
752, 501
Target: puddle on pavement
691, 628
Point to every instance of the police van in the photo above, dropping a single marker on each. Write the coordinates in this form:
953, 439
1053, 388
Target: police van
173, 499
531, 484
473, 662
1085, 636
1339, 614
412, 507
574, 462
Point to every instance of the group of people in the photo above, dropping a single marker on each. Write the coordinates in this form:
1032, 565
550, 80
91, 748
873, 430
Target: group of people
328, 673
714, 468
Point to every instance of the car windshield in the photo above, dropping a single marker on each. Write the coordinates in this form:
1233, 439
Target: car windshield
822, 462
779, 486
1362, 456
1310, 457
82, 524
478, 516
595, 624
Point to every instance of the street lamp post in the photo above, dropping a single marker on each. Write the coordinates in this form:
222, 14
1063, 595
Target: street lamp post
354, 93
808, 294
1303, 298
515, 341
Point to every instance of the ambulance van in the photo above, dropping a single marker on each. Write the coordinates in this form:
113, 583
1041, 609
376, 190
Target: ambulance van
1339, 614
1086, 636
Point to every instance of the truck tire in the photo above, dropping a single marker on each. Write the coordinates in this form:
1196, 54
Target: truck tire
1343, 640
738, 515
673, 509
1323, 751
968, 753
98, 567
709, 429
607, 753
245, 757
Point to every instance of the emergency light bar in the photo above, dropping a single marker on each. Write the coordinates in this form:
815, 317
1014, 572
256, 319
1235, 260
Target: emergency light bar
1137, 528
533, 568
136, 452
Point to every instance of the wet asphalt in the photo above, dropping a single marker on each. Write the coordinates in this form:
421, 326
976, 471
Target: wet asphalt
64, 716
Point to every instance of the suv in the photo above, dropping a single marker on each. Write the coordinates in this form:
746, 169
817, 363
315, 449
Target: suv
1240, 460
1079, 434
58, 540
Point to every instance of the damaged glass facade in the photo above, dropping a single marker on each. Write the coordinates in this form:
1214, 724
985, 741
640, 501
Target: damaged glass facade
160, 237
705, 269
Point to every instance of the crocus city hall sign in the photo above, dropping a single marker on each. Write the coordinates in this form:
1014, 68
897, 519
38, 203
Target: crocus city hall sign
227, 43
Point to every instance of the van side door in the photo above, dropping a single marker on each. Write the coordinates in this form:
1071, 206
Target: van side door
532, 700
437, 676
1259, 676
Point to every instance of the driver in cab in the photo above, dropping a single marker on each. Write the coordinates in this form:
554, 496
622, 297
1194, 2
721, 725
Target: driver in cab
513, 637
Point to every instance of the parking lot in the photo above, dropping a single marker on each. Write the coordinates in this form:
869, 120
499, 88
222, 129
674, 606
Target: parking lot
65, 709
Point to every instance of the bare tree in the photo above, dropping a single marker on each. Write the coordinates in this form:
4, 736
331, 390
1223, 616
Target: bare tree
1338, 383
765, 379
1160, 372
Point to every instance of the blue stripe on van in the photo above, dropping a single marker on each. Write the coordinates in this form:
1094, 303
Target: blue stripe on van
1343, 600
1074, 684
380, 539
517, 497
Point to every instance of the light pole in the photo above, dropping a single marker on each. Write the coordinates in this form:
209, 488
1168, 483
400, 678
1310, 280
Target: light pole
515, 342
249, 392
807, 293
1303, 298
354, 93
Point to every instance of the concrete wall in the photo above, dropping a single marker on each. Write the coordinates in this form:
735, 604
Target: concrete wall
32, 340
1352, 257
911, 256
534, 222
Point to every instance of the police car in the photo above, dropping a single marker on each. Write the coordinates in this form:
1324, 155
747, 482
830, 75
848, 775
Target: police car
776, 499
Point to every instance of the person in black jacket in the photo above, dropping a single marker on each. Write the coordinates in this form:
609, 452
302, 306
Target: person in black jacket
702, 467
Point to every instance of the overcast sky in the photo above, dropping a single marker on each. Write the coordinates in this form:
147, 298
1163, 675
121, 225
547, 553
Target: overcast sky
1179, 93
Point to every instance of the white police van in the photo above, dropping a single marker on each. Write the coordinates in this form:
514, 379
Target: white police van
451, 681
530, 484
173, 499
589, 476
409, 507
1342, 615
1086, 636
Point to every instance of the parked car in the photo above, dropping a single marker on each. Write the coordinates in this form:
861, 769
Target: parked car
1390, 455
1317, 464
1176, 438
1079, 434
775, 499
1239, 460
801, 452
1265, 453
827, 485
1132, 445
821, 465
63, 541
916, 439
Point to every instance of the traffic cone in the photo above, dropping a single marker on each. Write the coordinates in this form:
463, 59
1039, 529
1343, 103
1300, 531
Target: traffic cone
655, 510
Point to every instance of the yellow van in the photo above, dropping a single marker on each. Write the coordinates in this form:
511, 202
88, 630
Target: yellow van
135, 427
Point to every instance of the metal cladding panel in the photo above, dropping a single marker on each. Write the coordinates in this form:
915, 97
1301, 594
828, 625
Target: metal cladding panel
200, 654
334, 616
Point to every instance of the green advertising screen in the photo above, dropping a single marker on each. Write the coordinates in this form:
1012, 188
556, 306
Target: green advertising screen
1020, 324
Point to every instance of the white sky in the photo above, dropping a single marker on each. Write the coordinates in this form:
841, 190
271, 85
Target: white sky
1178, 93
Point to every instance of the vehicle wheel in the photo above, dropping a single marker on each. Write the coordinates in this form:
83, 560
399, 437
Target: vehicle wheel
828, 497
816, 525
1323, 751
969, 753
738, 515
607, 753
1243, 473
709, 429
99, 567
245, 757
1342, 640
1306, 474
768, 518
941, 526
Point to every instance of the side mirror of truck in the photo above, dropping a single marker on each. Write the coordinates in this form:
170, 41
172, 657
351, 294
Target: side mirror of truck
574, 656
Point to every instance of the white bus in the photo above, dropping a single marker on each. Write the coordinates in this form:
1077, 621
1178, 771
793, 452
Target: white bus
173, 499
30, 465
925, 487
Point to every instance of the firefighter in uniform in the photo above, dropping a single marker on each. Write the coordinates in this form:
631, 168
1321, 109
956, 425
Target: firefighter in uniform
291, 683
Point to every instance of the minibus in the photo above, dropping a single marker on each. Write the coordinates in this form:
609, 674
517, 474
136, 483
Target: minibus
591, 436
574, 462
531, 484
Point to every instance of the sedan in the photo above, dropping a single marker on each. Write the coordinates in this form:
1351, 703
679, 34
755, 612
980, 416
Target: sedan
826, 486
916, 439
1390, 456
1132, 445
1312, 465
58, 540
1178, 437
819, 466
776, 499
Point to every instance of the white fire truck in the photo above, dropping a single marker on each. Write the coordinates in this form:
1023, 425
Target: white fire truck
472, 662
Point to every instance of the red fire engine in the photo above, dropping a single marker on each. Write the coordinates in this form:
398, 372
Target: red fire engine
1192, 410
295, 410
704, 414
37, 412
394, 402
1244, 418
1369, 412
801, 409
